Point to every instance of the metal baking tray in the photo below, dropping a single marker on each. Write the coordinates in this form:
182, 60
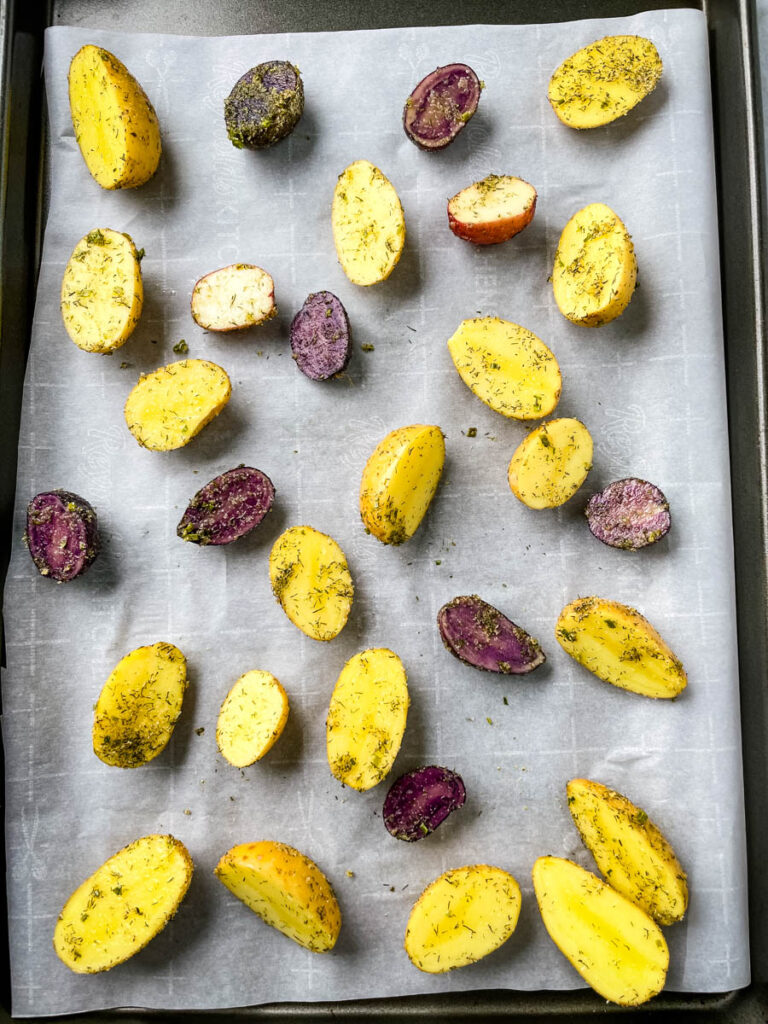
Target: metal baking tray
739, 158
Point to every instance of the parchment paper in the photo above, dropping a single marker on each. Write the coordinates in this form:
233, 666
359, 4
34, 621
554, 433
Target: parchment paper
650, 387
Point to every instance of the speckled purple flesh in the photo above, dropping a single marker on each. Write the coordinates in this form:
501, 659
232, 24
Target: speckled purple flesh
320, 337
440, 106
62, 534
629, 514
421, 800
228, 507
480, 635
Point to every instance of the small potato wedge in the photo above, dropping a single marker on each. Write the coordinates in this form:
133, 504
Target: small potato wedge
492, 210
139, 705
286, 889
614, 945
311, 580
228, 507
629, 514
115, 124
252, 718
595, 268
619, 646
440, 106
481, 636
420, 800
368, 223
629, 849
366, 718
265, 105
399, 481
507, 367
551, 463
233, 298
123, 905
462, 916
170, 406
321, 342
62, 534
604, 81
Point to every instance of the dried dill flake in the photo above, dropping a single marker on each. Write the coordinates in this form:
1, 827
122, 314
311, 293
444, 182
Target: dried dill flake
181, 347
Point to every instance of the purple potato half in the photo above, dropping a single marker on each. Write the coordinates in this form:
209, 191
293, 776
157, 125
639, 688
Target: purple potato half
629, 514
421, 800
440, 106
479, 635
62, 534
265, 105
321, 342
228, 507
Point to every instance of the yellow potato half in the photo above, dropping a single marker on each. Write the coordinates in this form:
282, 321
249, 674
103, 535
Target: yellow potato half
251, 718
551, 463
368, 223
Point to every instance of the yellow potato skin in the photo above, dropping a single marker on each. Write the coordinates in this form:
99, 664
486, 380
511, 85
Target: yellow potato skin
115, 124
366, 718
123, 905
551, 463
604, 81
399, 481
630, 851
286, 889
614, 945
252, 718
595, 269
619, 646
368, 223
462, 916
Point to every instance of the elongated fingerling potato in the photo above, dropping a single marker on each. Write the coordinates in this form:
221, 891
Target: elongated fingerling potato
620, 646
368, 223
123, 905
481, 636
492, 210
551, 463
252, 718
241, 295
227, 508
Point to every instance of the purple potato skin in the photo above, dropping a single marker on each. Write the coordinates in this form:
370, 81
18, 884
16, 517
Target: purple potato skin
629, 514
440, 106
265, 105
321, 342
228, 507
62, 534
481, 636
421, 800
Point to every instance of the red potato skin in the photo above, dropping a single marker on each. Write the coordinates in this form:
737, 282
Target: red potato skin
491, 232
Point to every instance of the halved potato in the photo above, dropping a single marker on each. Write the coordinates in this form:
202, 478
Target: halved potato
551, 463
234, 297
492, 210
251, 719
368, 223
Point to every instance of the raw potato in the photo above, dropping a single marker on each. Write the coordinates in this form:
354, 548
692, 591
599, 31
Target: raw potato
464, 915
321, 342
233, 298
440, 106
286, 889
481, 636
492, 210
595, 267
251, 718
169, 406
366, 718
604, 81
629, 514
507, 367
62, 534
614, 945
368, 223
551, 463
311, 580
399, 481
420, 801
123, 905
265, 105
227, 508
101, 292
115, 124
620, 647
139, 705
629, 849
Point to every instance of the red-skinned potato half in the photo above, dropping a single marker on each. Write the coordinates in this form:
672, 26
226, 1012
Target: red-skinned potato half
492, 210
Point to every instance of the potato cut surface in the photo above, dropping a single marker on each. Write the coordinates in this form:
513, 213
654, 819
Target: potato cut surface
399, 481
368, 223
614, 945
464, 915
507, 367
595, 267
251, 718
139, 705
620, 646
551, 463
286, 889
492, 210
629, 849
311, 580
366, 718
169, 406
123, 905
114, 122
234, 297
604, 81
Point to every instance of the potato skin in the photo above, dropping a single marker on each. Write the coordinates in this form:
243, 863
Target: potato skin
481, 636
265, 105
440, 106
551, 463
492, 210
368, 223
62, 534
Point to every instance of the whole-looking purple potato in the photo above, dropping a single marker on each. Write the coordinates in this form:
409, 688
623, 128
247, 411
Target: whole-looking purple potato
440, 106
421, 800
321, 342
265, 105
479, 635
62, 534
629, 514
227, 508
